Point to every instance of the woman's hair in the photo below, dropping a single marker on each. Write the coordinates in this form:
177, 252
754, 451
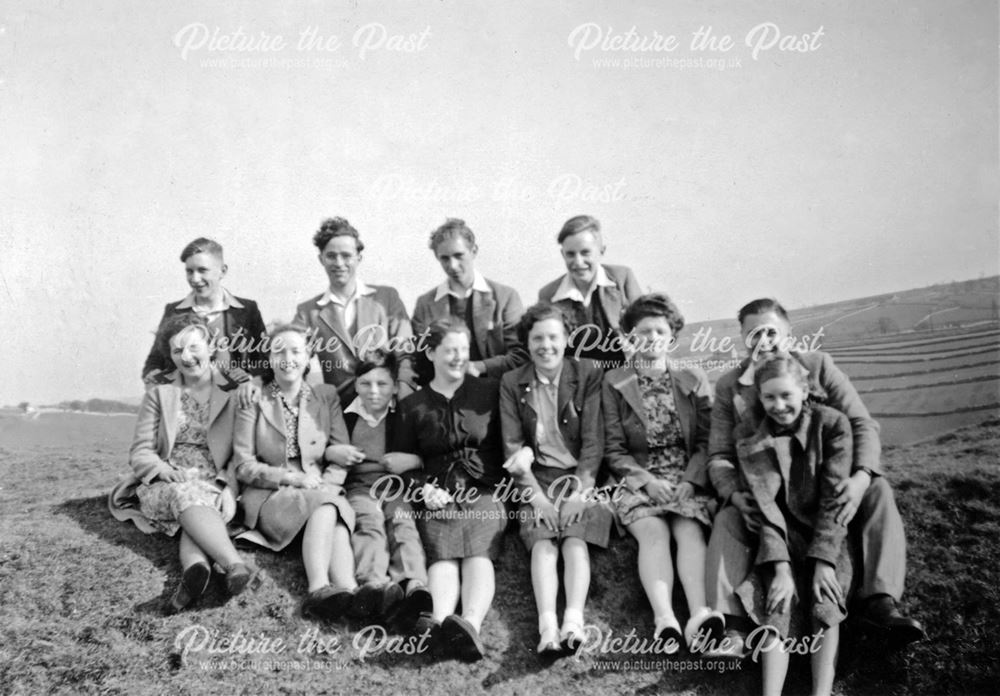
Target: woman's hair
780, 365
452, 227
178, 323
275, 331
540, 312
762, 306
653, 305
578, 224
433, 337
375, 359
336, 227
202, 245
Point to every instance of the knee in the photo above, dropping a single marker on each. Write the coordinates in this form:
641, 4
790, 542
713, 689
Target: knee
728, 526
877, 500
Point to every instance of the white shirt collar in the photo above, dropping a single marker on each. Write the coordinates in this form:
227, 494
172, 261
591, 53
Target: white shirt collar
746, 379
540, 379
359, 289
229, 301
358, 406
479, 284
567, 290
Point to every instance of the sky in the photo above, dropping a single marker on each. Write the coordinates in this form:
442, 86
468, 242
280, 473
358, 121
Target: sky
811, 151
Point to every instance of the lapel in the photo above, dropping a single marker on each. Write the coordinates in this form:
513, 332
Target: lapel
370, 313
628, 386
170, 403
440, 309
311, 425
529, 417
483, 305
270, 408
764, 469
219, 398
611, 301
569, 381
682, 385
330, 318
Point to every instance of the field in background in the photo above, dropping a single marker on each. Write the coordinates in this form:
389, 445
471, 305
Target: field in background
925, 361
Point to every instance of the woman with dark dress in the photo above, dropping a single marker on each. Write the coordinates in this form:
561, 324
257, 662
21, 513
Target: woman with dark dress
453, 424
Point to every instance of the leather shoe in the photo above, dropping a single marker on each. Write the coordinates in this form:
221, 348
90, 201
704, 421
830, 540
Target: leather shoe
194, 582
881, 614
461, 639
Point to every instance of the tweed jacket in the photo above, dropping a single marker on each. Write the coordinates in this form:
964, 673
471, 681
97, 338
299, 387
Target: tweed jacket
578, 406
625, 446
612, 299
797, 473
244, 329
155, 433
494, 325
736, 402
381, 318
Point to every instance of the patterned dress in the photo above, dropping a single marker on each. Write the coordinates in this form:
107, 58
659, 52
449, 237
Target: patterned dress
162, 501
667, 458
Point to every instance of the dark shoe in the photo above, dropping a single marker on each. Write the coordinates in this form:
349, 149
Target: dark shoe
238, 577
194, 582
882, 615
416, 602
705, 627
327, 603
389, 598
366, 600
460, 639
429, 632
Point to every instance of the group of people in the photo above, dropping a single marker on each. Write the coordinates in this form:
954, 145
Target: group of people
401, 471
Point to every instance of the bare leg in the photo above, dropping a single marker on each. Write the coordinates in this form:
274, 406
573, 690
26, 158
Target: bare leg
545, 582
824, 662
478, 586
205, 528
443, 583
317, 546
341, 570
690, 559
191, 553
576, 578
655, 569
774, 663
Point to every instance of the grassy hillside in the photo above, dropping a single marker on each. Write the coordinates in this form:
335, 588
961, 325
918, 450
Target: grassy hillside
81, 595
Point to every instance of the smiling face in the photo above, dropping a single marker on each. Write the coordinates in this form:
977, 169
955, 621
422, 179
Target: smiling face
653, 336
289, 357
764, 334
547, 344
204, 273
191, 355
451, 357
376, 388
340, 259
582, 253
782, 398
457, 260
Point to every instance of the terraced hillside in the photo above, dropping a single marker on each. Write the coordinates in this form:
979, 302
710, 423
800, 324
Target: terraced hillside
925, 361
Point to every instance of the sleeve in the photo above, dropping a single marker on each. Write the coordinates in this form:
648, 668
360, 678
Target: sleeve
515, 355
633, 290
842, 396
510, 419
721, 444
835, 467
256, 356
620, 461
155, 361
143, 456
697, 468
301, 318
400, 334
405, 434
249, 470
591, 429
335, 474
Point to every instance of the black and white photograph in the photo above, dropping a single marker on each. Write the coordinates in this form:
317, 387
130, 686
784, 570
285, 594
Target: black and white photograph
449, 346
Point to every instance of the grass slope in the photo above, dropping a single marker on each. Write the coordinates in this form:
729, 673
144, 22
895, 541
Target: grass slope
81, 596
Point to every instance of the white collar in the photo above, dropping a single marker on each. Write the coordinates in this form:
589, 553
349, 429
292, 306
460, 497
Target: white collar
479, 284
567, 290
229, 301
359, 289
540, 379
358, 406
